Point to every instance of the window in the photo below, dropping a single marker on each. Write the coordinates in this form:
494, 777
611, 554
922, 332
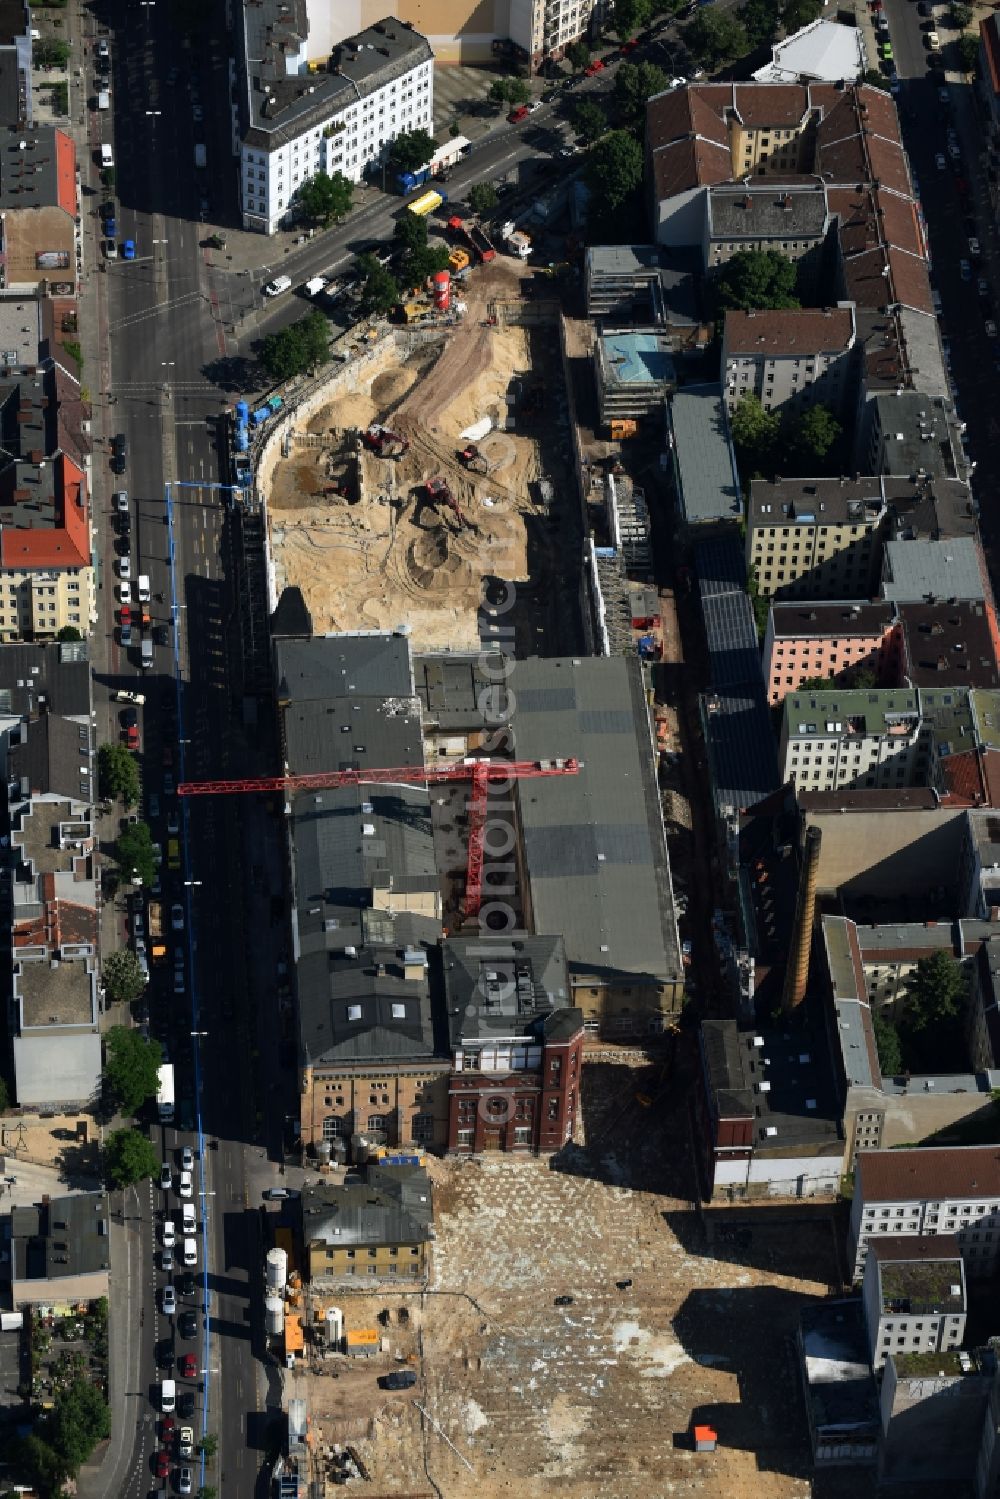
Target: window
333, 1127
464, 1137
376, 1123
522, 1135
423, 1126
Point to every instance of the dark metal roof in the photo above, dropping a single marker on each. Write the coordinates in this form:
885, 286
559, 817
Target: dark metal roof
394, 1205
331, 666
506, 986
54, 678
67, 1236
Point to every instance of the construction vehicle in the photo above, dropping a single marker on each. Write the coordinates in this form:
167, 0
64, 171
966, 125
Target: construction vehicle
480, 772
475, 237
154, 919
474, 460
459, 260
437, 492
622, 427
385, 443
415, 312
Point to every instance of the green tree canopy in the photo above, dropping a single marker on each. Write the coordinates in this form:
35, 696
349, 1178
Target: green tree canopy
128, 1157
968, 52
296, 349
518, 92
890, 1055
631, 16
410, 232
380, 292
755, 432
117, 774
760, 21
935, 992
756, 279
589, 120
80, 1418
715, 36
50, 52
130, 1067
875, 79
208, 1445
614, 170
482, 197
134, 851
961, 15
69, 632
411, 150
577, 55
39, 1463
498, 92
812, 434
124, 980
798, 13
634, 84
324, 199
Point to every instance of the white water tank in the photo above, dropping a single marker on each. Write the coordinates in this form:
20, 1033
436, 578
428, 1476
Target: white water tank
277, 1270
274, 1316
333, 1322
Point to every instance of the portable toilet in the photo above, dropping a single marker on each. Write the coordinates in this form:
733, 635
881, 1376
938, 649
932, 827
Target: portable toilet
242, 413
442, 290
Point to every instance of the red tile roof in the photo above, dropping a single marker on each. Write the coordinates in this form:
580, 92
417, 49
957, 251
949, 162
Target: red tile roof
50, 547
65, 173
928, 1175
798, 331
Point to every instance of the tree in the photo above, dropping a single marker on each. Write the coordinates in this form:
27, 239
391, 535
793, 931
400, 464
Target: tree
577, 55
760, 21
518, 92
498, 92
80, 1419
482, 197
38, 1462
755, 432
128, 1157
208, 1446
130, 1068
961, 15
380, 292
614, 170
411, 150
875, 79
117, 774
812, 434
634, 84
69, 632
968, 52
589, 120
325, 198
208, 1491
759, 602
631, 16
134, 852
890, 1055
798, 13
935, 992
756, 279
124, 980
296, 349
715, 36
50, 52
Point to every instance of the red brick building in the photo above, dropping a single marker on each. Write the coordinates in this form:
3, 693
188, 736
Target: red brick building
516, 1045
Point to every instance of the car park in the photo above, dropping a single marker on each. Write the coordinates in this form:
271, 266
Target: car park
185, 1284
178, 981
188, 1365
190, 1253
185, 1442
125, 636
110, 250
121, 501
168, 789
173, 821
169, 1232
167, 1260
168, 1300
119, 444
931, 40
188, 1220
161, 1464
125, 567
185, 1407
399, 1379
974, 250
118, 464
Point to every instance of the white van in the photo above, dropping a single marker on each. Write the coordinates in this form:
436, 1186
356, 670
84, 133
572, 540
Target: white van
315, 286
103, 99
168, 1396
107, 157
277, 286
190, 1254
143, 586
189, 1222
146, 652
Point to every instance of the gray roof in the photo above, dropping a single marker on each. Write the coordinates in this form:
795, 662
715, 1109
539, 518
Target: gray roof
330, 666
742, 759
66, 1236
840, 1386
708, 488
58, 672
29, 176
449, 689
57, 1067
624, 260
917, 434
54, 756
916, 570
282, 104
772, 212
342, 733
595, 849
394, 1205
507, 987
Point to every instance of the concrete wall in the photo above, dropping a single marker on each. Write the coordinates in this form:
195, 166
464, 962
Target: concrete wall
887, 854
779, 1176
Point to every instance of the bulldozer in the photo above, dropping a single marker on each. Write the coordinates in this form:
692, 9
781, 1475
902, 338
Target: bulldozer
474, 460
436, 491
385, 443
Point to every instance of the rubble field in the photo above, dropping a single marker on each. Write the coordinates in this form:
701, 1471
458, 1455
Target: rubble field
517, 1395
380, 552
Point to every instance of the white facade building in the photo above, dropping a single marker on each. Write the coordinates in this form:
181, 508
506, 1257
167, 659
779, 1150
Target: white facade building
297, 122
832, 739
943, 1190
914, 1296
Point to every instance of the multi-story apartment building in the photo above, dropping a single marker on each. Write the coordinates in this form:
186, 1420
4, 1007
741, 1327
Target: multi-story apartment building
297, 120
378, 1229
914, 1296
823, 538
951, 1189
794, 220
794, 358
543, 29
831, 739
836, 641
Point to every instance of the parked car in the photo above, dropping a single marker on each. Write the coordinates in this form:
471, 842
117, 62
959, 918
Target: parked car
184, 1184
166, 1177
168, 1300
128, 249
177, 916
187, 1158
188, 1365
187, 1324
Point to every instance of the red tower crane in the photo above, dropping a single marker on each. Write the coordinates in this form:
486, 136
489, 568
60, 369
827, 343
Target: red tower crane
482, 773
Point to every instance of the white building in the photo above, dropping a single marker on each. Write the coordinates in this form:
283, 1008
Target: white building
298, 119
822, 52
832, 739
914, 1296
795, 357
947, 1190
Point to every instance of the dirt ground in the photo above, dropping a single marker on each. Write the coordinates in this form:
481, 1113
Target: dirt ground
669, 1324
381, 552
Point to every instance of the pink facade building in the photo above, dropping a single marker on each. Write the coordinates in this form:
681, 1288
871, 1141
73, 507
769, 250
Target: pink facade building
829, 640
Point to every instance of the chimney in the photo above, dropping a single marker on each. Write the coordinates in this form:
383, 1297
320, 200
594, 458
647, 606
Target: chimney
797, 971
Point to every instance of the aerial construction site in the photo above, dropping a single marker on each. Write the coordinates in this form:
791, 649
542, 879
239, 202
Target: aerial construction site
425, 472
